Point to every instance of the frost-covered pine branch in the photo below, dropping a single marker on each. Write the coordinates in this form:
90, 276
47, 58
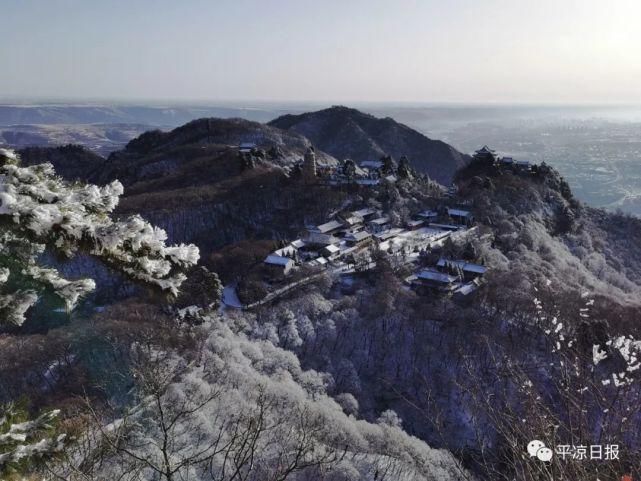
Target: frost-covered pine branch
24, 441
39, 210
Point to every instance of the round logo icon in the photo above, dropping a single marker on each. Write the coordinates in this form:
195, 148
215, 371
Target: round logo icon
544, 454
536, 448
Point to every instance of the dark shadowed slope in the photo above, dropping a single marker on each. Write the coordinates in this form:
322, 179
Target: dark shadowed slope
348, 133
156, 153
73, 162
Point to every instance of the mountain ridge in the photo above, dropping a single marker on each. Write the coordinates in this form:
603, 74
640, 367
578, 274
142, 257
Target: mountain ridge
345, 132
336, 133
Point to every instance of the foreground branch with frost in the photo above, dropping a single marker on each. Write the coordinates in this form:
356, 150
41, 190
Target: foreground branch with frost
39, 211
24, 441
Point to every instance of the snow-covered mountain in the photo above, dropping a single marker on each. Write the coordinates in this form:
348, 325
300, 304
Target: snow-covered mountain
345, 368
204, 398
348, 133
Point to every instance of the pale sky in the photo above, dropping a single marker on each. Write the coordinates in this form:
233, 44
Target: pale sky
486, 51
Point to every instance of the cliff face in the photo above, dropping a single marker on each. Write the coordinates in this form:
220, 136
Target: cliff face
348, 133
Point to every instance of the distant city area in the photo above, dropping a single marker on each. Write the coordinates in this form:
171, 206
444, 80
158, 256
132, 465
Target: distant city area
597, 149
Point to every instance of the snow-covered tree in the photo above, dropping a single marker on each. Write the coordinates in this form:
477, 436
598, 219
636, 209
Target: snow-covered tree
389, 166
244, 408
404, 168
24, 441
40, 211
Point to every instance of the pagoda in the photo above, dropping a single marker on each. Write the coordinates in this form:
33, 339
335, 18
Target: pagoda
485, 155
309, 166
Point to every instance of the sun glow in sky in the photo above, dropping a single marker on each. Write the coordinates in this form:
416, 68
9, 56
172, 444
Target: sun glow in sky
525, 51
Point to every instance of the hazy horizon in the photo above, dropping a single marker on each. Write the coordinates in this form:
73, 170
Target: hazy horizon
464, 52
249, 102
596, 148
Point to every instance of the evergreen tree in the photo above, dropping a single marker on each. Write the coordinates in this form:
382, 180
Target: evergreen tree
24, 442
404, 168
39, 211
349, 169
389, 166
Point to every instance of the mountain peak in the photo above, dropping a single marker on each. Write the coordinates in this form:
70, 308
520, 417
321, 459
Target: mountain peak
345, 132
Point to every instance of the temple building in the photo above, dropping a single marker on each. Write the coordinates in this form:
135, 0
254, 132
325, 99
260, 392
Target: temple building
485, 155
309, 166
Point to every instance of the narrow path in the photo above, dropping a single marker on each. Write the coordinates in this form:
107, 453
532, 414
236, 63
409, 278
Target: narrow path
282, 291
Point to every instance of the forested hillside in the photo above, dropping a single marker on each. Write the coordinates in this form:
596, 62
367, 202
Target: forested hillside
162, 386
142, 373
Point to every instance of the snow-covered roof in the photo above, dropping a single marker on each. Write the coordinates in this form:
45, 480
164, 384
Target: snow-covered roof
278, 260
321, 261
414, 223
353, 219
380, 221
332, 249
523, 162
364, 212
328, 226
485, 150
371, 164
507, 160
465, 266
436, 276
476, 268
458, 212
358, 236
298, 243
385, 235
428, 214
323, 239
